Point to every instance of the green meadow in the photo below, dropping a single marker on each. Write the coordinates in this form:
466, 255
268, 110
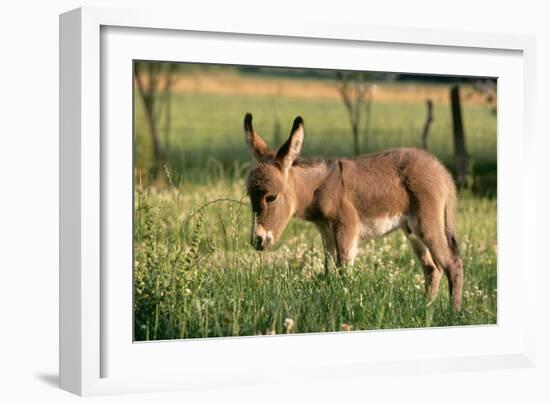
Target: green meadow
196, 275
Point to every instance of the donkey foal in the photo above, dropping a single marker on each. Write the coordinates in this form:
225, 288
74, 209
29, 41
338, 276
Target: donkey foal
360, 198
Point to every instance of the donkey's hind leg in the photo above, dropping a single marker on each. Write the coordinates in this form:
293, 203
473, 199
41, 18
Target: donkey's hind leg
455, 276
432, 234
432, 273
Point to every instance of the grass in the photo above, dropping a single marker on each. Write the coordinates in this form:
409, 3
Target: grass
196, 275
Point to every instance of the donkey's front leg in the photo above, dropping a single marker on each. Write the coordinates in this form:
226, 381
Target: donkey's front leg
346, 248
329, 242
346, 234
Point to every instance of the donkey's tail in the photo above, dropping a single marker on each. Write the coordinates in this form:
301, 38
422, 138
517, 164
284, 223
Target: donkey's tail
449, 224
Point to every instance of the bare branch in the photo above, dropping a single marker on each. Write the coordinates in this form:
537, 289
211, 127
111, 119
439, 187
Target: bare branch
355, 92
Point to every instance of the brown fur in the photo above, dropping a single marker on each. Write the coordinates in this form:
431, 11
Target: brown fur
352, 199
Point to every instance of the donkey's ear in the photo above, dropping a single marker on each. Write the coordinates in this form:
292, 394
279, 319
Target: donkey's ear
259, 148
290, 150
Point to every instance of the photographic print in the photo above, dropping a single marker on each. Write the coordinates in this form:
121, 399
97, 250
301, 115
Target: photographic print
274, 201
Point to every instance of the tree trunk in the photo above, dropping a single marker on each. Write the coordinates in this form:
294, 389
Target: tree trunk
461, 156
158, 151
148, 97
427, 124
356, 145
368, 110
168, 104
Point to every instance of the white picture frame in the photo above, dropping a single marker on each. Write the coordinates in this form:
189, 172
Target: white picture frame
96, 355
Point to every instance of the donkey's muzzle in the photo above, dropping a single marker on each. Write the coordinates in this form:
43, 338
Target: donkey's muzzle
262, 239
258, 243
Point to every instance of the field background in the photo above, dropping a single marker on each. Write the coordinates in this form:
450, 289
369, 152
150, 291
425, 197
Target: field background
195, 274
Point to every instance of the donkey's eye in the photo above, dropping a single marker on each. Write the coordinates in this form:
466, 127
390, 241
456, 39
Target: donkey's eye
270, 198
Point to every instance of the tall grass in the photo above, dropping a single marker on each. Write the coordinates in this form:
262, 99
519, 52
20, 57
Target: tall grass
197, 276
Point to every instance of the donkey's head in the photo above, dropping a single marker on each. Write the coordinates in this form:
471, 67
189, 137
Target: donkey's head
271, 191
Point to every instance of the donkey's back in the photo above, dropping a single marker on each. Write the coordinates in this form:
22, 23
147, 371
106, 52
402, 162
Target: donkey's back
397, 181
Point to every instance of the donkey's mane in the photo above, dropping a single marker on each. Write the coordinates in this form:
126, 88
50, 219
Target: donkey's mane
311, 161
